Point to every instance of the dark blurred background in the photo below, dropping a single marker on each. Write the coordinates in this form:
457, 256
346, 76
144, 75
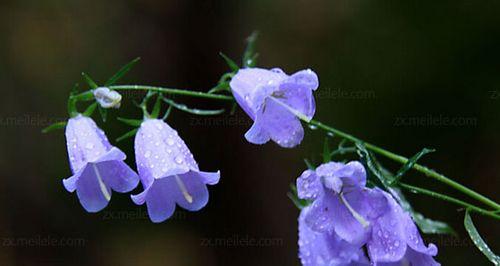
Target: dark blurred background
404, 75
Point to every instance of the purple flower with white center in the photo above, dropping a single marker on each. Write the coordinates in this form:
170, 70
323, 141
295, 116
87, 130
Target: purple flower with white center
168, 172
97, 166
275, 102
326, 248
395, 240
341, 202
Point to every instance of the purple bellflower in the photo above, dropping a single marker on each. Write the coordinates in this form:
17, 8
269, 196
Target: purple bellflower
275, 102
361, 216
168, 172
97, 166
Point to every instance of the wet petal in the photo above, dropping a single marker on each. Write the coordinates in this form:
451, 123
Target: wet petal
309, 185
118, 175
414, 239
257, 135
94, 195
191, 192
209, 178
160, 200
297, 92
420, 259
352, 174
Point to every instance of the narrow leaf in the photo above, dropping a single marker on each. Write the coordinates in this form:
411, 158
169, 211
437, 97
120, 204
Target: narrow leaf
373, 165
309, 165
167, 113
157, 107
186, 109
249, 56
232, 65
89, 81
478, 240
90, 110
127, 135
410, 163
130, 122
123, 70
58, 125
104, 113
429, 226
220, 87
327, 156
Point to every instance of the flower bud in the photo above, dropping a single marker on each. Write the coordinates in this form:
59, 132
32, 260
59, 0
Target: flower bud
107, 98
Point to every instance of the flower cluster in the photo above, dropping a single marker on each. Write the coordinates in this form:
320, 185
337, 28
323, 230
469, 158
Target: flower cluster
167, 169
345, 218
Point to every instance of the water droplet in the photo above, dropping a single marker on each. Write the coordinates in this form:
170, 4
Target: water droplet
147, 154
170, 142
89, 146
312, 127
178, 159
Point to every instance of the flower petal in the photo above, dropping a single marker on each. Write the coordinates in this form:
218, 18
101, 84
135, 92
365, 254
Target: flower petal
160, 200
257, 135
93, 194
309, 185
250, 86
296, 91
388, 242
281, 125
191, 192
421, 259
118, 175
324, 248
414, 239
352, 174
209, 178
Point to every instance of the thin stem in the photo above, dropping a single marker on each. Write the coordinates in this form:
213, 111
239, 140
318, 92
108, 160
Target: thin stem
401, 159
173, 91
449, 199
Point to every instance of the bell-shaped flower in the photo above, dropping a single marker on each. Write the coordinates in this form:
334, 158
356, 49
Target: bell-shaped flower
326, 248
275, 102
341, 202
395, 240
168, 172
97, 166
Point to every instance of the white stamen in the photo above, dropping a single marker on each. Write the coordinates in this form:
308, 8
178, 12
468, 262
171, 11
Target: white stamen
356, 215
104, 190
298, 114
183, 189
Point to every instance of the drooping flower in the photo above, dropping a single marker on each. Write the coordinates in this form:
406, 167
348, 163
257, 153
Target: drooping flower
97, 166
168, 172
362, 216
107, 98
326, 248
341, 202
275, 102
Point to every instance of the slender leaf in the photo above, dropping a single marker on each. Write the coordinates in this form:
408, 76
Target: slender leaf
104, 113
232, 65
57, 125
130, 122
90, 110
327, 156
123, 70
478, 240
373, 165
127, 135
157, 107
167, 113
309, 165
410, 163
224, 86
186, 109
249, 56
429, 226
89, 81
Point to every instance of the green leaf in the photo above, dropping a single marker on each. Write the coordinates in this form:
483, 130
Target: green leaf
220, 87
127, 135
123, 70
232, 65
167, 113
186, 109
90, 110
327, 156
373, 165
410, 163
130, 122
309, 165
89, 81
478, 240
157, 107
249, 56
104, 113
57, 125
429, 226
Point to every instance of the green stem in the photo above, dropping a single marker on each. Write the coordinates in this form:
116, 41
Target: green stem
449, 199
401, 159
173, 91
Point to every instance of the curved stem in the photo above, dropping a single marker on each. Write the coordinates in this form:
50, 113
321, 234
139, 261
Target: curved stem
449, 199
398, 158
173, 91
